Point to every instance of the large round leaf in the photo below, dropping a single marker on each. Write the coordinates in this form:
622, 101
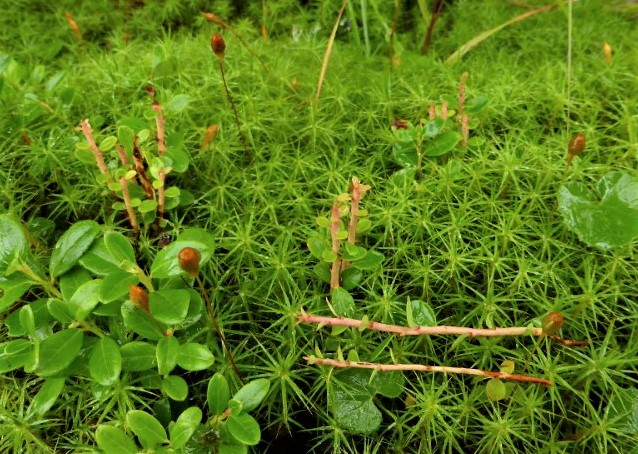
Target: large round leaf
607, 219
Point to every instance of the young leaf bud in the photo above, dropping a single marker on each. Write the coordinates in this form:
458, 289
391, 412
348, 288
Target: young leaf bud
218, 45
551, 323
575, 147
138, 297
188, 259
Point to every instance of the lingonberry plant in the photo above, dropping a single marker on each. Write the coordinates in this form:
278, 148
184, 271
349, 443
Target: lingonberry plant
447, 128
133, 173
100, 316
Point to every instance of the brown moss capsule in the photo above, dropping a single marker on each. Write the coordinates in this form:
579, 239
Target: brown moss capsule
575, 147
138, 297
188, 259
218, 45
552, 322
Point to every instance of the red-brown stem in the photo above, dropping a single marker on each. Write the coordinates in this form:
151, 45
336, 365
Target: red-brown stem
420, 330
73, 25
426, 368
444, 106
122, 154
209, 307
242, 137
427, 39
161, 129
432, 112
335, 272
141, 172
465, 130
462, 94
129, 208
161, 196
99, 157
355, 197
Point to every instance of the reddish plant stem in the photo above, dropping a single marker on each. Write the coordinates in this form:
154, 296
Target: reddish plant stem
465, 130
426, 368
129, 208
335, 271
122, 154
209, 307
73, 25
161, 174
435, 330
357, 192
427, 39
141, 172
97, 153
464, 77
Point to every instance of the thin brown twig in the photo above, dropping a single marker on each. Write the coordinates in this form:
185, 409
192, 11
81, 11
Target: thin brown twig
97, 153
427, 39
335, 223
425, 368
328, 52
222, 338
129, 207
242, 137
433, 330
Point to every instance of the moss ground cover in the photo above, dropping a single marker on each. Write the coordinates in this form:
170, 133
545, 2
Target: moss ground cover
475, 239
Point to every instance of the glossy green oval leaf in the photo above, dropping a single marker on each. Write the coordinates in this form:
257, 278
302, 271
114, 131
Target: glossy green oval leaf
177, 103
433, 127
351, 278
72, 280
370, 261
46, 397
185, 427
217, 394
149, 430
58, 351
194, 357
419, 313
607, 219
251, 394
59, 310
12, 288
166, 352
142, 323
317, 246
113, 440
105, 362
169, 306
119, 247
342, 302
166, 265
138, 356
352, 404
16, 354
495, 390
84, 300
116, 286
175, 387
13, 241
443, 144
99, 260
244, 428
72, 245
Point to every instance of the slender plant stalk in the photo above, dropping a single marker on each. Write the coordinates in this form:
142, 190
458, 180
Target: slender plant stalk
425, 368
73, 25
335, 271
209, 307
569, 65
210, 17
142, 177
97, 153
242, 137
328, 52
427, 39
433, 330
129, 207
393, 32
